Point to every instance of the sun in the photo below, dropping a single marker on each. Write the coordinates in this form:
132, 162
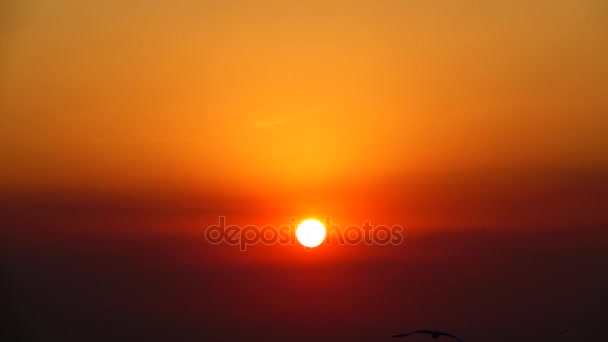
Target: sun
310, 233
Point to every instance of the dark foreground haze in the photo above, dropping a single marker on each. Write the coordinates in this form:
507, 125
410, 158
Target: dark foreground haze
87, 278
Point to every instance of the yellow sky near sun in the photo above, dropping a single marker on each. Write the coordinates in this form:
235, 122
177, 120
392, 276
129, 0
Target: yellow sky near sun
243, 94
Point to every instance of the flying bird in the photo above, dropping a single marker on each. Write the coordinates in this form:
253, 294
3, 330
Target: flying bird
433, 333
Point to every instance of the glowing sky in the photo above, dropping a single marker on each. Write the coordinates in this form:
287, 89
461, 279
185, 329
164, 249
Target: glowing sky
232, 97
128, 127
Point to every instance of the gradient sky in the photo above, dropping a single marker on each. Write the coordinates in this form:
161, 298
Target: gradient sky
288, 95
127, 127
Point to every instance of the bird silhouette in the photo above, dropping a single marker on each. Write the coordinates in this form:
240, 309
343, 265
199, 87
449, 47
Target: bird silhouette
433, 333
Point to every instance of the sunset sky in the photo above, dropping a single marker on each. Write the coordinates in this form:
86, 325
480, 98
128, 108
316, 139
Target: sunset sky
446, 117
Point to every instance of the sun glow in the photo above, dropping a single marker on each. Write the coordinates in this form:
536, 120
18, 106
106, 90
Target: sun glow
311, 233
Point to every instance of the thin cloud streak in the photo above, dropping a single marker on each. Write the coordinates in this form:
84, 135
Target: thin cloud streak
270, 123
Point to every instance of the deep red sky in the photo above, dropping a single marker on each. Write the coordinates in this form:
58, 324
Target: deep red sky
126, 128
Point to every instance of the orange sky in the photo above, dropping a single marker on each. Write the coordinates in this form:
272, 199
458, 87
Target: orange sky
441, 110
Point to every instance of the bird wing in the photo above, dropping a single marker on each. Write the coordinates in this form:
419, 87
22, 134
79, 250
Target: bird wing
431, 332
449, 335
414, 332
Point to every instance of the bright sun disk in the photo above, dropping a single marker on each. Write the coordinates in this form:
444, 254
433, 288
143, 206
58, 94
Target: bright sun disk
311, 233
